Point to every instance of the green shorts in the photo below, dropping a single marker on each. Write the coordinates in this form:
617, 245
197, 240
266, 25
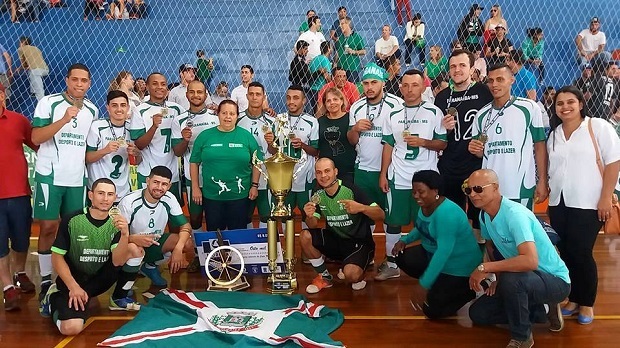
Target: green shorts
299, 199
369, 183
175, 188
193, 208
155, 253
52, 201
402, 209
263, 203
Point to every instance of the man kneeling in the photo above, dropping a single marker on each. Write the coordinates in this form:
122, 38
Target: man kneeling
91, 253
349, 214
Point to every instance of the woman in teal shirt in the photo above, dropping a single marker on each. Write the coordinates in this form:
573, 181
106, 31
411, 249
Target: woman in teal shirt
448, 252
229, 180
533, 48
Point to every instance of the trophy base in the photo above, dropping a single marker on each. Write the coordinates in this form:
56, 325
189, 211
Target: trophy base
240, 284
281, 284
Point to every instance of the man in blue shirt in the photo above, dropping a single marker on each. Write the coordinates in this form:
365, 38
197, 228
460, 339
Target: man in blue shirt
525, 82
531, 273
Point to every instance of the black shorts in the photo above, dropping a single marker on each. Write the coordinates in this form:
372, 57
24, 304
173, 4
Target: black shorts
60, 304
347, 251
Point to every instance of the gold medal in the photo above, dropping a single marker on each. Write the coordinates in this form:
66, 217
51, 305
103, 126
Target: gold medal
292, 135
114, 211
164, 112
452, 111
406, 133
189, 123
121, 142
316, 198
483, 137
266, 128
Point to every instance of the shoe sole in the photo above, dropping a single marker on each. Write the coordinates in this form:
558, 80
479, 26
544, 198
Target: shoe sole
386, 278
122, 309
560, 318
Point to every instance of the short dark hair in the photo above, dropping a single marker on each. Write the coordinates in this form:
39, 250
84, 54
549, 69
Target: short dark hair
102, 181
517, 56
116, 94
325, 46
162, 171
257, 84
153, 74
308, 12
417, 16
312, 19
472, 58
296, 88
341, 8
301, 44
497, 67
337, 68
247, 66
200, 53
26, 40
227, 102
430, 178
77, 66
413, 72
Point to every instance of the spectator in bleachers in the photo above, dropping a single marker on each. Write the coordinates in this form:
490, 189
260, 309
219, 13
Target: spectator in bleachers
124, 82
304, 25
336, 31
545, 104
533, 48
415, 39
480, 64
31, 59
240, 93
392, 84
499, 47
386, 46
437, 63
457, 45
340, 82
139, 88
221, 94
117, 9
604, 90
92, 7
470, 30
187, 74
496, 18
299, 72
403, 5
351, 47
440, 83
591, 43
313, 37
584, 82
525, 84
320, 68
6, 71
136, 8
204, 67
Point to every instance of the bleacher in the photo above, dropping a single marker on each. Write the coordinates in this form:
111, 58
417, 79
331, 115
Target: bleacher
262, 33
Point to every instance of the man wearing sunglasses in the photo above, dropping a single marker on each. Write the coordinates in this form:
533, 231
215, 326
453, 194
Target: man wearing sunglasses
531, 273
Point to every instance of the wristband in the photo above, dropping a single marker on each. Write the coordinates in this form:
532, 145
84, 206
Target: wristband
255, 184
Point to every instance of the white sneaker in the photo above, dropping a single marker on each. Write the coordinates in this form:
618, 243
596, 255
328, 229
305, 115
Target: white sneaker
359, 285
386, 272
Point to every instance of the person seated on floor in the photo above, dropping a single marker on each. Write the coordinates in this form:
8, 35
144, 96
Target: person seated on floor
91, 252
448, 252
347, 238
531, 273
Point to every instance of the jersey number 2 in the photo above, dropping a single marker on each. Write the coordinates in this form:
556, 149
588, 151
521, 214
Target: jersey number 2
118, 162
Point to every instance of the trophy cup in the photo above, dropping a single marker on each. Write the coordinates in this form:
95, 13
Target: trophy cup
280, 172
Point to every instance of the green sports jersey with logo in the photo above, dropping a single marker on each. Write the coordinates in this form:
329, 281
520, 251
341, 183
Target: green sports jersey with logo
509, 150
149, 218
345, 225
114, 166
85, 243
159, 151
423, 121
225, 161
254, 125
202, 120
369, 148
60, 160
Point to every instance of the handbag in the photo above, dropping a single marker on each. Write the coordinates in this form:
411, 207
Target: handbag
612, 224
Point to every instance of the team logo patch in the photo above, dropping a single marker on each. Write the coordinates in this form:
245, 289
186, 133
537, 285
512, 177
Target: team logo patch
237, 321
82, 238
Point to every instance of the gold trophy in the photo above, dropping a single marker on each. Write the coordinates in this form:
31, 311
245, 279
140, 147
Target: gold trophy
280, 171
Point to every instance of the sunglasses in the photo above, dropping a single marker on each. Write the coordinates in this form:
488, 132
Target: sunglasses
493, 10
477, 189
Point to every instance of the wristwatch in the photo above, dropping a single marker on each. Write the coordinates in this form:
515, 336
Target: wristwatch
481, 268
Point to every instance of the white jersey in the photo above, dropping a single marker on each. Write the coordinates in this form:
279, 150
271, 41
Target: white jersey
179, 95
147, 218
159, 151
240, 96
61, 159
423, 121
114, 166
369, 148
509, 150
205, 119
305, 127
255, 127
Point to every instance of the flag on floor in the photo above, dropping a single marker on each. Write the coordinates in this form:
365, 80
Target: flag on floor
175, 318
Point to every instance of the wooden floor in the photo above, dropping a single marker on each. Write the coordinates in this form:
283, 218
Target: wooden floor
378, 316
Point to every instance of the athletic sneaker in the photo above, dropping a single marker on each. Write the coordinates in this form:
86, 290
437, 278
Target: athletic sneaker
319, 283
528, 343
154, 275
11, 299
124, 304
45, 305
556, 321
359, 285
386, 272
22, 281
340, 274
44, 287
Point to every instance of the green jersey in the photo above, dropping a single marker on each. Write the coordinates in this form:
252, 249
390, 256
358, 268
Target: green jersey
227, 171
85, 243
345, 225
350, 62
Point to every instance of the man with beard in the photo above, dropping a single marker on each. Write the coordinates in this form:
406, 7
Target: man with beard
187, 73
341, 82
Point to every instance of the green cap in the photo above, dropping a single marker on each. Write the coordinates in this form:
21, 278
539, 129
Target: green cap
374, 72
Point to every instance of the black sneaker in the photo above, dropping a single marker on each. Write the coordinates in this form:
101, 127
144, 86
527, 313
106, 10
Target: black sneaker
556, 321
44, 287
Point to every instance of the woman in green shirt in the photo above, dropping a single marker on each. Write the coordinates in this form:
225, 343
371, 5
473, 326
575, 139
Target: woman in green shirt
229, 180
437, 64
448, 252
533, 48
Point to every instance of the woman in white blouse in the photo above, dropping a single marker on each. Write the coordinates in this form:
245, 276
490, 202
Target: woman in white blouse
414, 39
580, 197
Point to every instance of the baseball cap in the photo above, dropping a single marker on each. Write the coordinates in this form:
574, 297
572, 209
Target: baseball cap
374, 72
500, 26
186, 67
594, 20
476, 7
